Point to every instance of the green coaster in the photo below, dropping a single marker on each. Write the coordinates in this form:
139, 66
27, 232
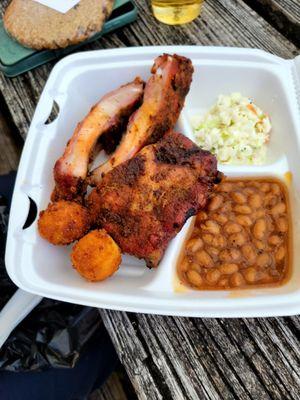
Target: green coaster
16, 59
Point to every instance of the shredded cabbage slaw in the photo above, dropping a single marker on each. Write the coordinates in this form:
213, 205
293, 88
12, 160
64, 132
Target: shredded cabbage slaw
234, 129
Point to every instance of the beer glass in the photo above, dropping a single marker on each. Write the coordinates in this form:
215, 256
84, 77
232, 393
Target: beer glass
175, 12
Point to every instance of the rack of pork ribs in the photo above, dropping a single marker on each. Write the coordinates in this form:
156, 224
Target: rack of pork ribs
154, 179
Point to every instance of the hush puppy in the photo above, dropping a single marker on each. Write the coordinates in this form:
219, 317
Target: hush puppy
63, 222
96, 256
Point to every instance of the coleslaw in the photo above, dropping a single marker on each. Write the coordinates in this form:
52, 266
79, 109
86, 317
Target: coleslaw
234, 129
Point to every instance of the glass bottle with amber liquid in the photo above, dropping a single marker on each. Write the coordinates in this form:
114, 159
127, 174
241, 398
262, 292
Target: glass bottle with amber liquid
176, 12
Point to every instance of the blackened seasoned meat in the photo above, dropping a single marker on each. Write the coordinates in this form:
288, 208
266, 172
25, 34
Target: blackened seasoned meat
163, 100
144, 202
107, 118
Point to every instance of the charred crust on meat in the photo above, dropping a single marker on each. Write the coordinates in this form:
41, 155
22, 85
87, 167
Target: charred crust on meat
159, 130
174, 96
135, 168
144, 202
68, 188
173, 151
175, 155
109, 216
158, 193
117, 126
158, 177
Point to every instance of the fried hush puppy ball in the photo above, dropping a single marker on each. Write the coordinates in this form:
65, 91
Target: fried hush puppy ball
63, 222
96, 256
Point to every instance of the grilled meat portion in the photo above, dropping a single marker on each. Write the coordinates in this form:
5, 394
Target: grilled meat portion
144, 202
164, 97
110, 115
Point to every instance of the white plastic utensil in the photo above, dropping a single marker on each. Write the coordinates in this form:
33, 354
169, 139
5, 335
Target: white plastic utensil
17, 308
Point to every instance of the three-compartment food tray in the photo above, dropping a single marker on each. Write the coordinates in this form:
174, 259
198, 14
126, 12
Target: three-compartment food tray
75, 84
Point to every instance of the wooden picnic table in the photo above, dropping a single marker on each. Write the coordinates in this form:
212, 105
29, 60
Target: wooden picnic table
188, 358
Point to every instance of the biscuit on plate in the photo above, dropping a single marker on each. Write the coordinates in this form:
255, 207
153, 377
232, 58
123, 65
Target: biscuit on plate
39, 27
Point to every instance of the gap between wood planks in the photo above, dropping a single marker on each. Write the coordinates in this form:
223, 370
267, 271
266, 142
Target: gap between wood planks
10, 144
284, 15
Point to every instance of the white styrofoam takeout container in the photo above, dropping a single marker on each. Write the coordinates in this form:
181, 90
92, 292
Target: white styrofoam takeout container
75, 84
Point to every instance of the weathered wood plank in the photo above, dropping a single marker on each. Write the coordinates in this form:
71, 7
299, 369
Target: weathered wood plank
193, 354
178, 366
284, 15
279, 350
223, 22
210, 358
132, 354
10, 150
241, 344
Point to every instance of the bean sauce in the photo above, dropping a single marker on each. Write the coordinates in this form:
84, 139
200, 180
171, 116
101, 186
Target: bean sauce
241, 239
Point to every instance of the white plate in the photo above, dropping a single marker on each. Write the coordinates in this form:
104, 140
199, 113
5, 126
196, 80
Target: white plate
76, 83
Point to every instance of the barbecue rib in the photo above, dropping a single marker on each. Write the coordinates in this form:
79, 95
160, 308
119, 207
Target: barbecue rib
164, 97
109, 115
144, 202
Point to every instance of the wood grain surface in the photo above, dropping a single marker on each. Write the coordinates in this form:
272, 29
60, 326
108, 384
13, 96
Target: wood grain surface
189, 358
283, 14
10, 147
193, 358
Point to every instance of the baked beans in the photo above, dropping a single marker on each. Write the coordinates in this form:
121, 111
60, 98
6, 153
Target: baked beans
241, 239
